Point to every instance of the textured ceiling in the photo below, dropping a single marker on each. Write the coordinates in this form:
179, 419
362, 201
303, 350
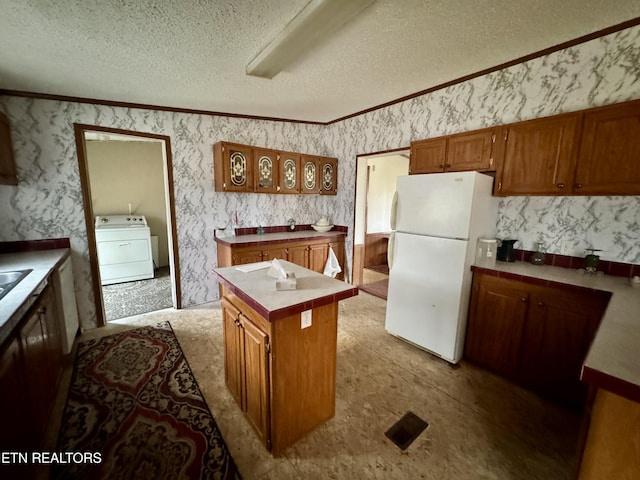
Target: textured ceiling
192, 54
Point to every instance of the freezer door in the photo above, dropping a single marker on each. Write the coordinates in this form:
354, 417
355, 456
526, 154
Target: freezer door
425, 292
437, 204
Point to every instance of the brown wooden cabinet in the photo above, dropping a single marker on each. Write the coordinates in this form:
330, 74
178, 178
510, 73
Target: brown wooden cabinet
535, 335
266, 174
609, 158
496, 323
247, 367
289, 171
539, 156
310, 174
233, 167
244, 168
8, 173
465, 151
328, 176
472, 151
559, 329
428, 156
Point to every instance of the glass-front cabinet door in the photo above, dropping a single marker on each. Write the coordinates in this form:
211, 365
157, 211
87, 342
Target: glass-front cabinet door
265, 170
233, 171
289, 172
310, 174
328, 176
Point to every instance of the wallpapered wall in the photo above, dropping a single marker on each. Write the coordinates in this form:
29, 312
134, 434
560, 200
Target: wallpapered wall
48, 203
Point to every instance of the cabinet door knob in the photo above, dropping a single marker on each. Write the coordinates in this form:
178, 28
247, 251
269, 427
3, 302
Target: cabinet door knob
440, 165
561, 185
541, 304
523, 299
447, 165
578, 185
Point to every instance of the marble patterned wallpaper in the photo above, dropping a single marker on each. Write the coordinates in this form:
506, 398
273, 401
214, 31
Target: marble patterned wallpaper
48, 202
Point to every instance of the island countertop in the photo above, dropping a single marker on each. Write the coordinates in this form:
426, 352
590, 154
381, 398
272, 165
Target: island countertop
613, 361
258, 290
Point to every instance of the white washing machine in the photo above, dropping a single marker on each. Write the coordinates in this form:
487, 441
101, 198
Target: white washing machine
124, 248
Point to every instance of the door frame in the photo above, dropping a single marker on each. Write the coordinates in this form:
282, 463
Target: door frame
83, 166
361, 189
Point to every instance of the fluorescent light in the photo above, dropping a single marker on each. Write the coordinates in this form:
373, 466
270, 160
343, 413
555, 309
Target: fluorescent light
318, 19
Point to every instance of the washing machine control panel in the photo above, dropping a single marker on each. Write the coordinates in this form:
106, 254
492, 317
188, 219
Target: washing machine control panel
120, 221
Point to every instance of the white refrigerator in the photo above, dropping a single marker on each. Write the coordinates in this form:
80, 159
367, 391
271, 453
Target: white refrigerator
437, 219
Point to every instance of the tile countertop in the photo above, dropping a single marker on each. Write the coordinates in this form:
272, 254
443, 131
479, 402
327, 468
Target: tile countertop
258, 290
15, 304
278, 237
613, 361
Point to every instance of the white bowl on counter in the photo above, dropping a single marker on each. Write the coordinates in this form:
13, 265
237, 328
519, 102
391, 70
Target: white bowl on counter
322, 228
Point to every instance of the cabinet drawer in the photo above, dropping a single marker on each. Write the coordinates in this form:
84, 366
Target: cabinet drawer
123, 251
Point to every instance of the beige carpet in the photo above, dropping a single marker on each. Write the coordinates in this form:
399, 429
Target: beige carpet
480, 426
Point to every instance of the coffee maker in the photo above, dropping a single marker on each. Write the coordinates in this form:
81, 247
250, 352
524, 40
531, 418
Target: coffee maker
505, 250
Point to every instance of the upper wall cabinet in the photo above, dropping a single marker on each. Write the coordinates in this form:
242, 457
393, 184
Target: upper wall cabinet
289, 165
8, 174
265, 167
592, 152
454, 153
233, 169
609, 157
328, 176
243, 168
310, 174
539, 156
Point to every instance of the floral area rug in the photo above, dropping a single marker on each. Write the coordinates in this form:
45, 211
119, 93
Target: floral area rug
135, 411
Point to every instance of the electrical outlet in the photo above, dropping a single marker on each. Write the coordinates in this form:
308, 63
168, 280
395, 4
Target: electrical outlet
566, 247
305, 319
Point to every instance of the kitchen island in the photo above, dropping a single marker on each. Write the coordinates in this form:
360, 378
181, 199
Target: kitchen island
280, 349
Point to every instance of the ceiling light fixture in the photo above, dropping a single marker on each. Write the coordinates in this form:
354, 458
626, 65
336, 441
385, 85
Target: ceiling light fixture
314, 22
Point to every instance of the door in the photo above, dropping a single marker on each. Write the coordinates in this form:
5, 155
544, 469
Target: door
425, 292
471, 151
437, 204
610, 152
233, 350
299, 255
256, 361
428, 156
310, 176
559, 330
289, 172
318, 257
497, 318
329, 176
539, 156
265, 167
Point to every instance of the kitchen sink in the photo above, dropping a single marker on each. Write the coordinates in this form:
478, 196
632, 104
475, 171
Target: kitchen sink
10, 279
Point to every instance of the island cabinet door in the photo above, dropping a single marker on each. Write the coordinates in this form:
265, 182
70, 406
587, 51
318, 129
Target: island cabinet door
233, 350
256, 363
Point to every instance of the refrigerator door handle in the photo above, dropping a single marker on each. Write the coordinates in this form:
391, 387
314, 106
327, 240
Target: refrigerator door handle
394, 208
390, 246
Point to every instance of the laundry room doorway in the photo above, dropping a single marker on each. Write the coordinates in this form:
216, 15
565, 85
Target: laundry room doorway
127, 187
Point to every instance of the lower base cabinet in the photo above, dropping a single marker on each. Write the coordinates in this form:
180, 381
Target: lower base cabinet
30, 369
537, 336
308, 253
282, 376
